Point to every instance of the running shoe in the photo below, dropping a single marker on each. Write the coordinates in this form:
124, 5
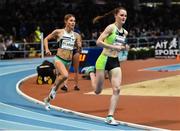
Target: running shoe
52, 94
47, 104
111, 121
87, 70
64, 88
76, 88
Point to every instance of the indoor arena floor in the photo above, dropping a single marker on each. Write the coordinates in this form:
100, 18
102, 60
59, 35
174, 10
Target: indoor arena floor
21, 100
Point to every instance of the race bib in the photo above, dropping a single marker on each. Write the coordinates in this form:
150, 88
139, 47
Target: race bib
120, 40
68, 45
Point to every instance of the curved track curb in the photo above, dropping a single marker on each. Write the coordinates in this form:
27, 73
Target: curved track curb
77, 113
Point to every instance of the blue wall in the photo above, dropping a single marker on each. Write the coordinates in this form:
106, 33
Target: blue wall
88, 57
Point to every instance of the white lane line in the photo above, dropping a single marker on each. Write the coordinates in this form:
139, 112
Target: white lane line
18, 68
9, 125
15, 71
22, 61
159, 67
79, 113
7, 68
11, 110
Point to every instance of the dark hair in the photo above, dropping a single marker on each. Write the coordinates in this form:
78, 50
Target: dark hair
114, 11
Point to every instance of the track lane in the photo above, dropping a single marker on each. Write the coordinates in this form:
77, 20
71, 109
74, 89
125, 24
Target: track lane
13, 105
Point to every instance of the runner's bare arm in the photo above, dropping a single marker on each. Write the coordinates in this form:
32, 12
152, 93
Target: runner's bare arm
106, 32
78, 42
53, 35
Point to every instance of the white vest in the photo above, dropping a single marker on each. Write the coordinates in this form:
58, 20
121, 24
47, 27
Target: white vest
67, 41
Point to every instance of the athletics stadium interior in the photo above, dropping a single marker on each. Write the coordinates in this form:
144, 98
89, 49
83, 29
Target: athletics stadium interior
19, 21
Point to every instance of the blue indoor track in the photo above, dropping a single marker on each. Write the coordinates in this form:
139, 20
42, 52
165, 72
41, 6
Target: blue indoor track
18, 113
165, 68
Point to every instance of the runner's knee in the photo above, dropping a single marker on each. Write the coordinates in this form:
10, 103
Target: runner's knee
116, 91
63, 77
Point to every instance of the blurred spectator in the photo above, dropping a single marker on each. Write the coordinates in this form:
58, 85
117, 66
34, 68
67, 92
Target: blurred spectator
37, 35
2, 47
14, 32
9, 40
11, 47
23, 31
19, 19
94, 35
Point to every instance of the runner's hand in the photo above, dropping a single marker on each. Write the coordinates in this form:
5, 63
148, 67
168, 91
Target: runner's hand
127, 47
119, 47
48, 52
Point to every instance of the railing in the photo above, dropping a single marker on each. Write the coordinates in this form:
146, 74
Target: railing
26, 50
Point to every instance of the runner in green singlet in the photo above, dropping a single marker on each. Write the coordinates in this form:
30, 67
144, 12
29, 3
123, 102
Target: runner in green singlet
112, 40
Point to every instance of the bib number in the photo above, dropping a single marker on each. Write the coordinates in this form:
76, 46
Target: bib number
67, 45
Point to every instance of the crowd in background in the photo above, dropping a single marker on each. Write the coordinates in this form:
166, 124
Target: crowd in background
20, 20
